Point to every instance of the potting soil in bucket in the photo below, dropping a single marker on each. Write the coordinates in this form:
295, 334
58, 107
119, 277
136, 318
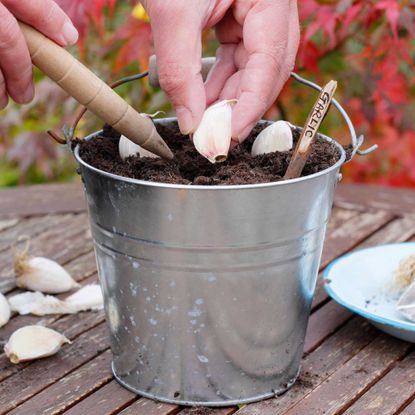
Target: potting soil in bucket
208, 270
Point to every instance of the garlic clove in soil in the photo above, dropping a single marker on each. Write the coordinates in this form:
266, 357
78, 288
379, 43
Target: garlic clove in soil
33, 342
4, 310
212, 138
276, 137
87, 298
127, 148
42, 274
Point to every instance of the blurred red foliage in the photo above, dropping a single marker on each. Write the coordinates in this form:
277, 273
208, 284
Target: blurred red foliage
367, 45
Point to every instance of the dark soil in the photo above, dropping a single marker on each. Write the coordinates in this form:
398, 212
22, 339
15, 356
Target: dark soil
189, 167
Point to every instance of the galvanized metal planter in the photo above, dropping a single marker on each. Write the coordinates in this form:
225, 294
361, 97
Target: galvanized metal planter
208, 288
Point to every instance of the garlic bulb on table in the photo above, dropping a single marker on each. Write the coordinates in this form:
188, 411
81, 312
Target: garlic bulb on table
4, 310
212, 138
276, 137
42, 274
33, 342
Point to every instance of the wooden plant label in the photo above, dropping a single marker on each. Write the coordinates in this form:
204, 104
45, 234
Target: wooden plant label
316, 116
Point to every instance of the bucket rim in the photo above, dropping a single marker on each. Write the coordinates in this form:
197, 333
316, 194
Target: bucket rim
288, 182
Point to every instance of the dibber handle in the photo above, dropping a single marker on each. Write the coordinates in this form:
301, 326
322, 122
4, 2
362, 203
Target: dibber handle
83, 85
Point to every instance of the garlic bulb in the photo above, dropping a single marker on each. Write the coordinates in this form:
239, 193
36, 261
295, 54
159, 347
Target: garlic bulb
87, 298
4, 310
33, 342
42, 274
213, 136
277, 137
128, 148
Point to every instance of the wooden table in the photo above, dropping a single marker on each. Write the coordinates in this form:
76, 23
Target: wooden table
349, 367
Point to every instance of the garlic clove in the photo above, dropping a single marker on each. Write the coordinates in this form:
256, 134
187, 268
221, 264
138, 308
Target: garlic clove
4, 310
87, 298
128, 148
213, 136
39, 304
33, 342
42, 274
276, 137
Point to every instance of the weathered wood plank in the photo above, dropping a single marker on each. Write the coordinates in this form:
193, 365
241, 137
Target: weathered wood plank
325, 321
408, 410
346, 236
148, 407
353, 378
388, 395
31, 227
396, 200
69, 390
399, 230
318, 366
38, 375
42, 199
108, 400
208, 411
8, 223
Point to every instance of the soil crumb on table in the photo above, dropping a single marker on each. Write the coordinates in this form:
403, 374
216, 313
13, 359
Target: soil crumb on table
189, 167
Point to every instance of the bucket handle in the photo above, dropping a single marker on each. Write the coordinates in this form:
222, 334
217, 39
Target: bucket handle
357, 141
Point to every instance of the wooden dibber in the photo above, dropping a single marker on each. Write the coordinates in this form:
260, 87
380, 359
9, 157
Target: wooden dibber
83, 85
316, 116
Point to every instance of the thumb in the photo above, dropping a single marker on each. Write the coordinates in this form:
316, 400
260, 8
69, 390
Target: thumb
177, 30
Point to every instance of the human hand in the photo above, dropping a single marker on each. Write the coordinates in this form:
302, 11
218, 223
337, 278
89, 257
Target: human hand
15, 63
258, 45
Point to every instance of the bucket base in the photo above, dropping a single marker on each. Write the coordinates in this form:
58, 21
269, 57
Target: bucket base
272, 394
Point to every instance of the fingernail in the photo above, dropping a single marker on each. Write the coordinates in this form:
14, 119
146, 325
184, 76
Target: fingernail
28, 94
243, 134
185, 119
70, 34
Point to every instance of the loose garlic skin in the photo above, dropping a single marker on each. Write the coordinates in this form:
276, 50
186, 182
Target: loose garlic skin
4, 310
87, 298
212, 138
42, 274
276, 137
33, 342
127, 148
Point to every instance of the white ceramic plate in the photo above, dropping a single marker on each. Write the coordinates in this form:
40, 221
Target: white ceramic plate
362, 282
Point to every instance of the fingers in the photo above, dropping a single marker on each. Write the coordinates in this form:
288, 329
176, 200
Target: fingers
4, 99
15, 63
222, 70
47, 17
177, 42
271, 56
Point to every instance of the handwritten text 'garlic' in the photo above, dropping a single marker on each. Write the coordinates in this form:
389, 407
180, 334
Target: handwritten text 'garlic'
42, 274
33, 342
212, 138
277, 137
4, 310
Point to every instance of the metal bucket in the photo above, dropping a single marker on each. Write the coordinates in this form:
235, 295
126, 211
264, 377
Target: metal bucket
208, 288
